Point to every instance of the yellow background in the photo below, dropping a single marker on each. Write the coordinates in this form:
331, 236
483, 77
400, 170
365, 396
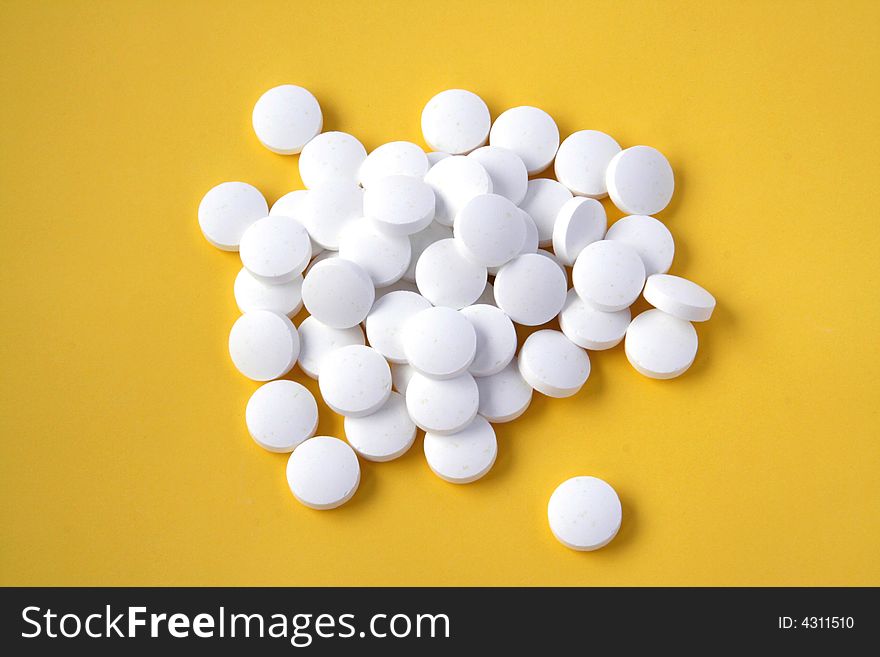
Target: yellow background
125, 459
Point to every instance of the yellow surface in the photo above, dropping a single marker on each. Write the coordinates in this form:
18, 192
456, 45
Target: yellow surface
124, 456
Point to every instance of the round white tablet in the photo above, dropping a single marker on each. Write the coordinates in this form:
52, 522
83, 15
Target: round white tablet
496, 339
396, 158
584, 513
507, 171
609, 275
275, 249
253, 294
435, 156
293, 205
355, 380
490, 230
455, 121
384, 435
544, 199
286, 118
464, 456
280, 415
447, 277
640, 180
552, 364
338, 292
659, 345
649, 237
582, 160
529, 132
443, 406
455, 181
317, 340
591, 328
227, 210
399, 205
384, 257
504, 396
263, 345
679, 297
401, 373
330, 207
581, 221
530, 289
421, 241
386, 320
331, 156
439, 342
323, 472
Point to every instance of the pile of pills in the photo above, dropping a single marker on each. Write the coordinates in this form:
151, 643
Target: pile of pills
414, 267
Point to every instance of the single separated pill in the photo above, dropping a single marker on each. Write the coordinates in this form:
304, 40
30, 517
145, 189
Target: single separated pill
530, 289
490, 230
286, 118
584, 513
399, 205
552, 364
331, 156
496, 339
330, 208
591, 328
317, 340
338, 292
263, 345
464, 456
253, 294
679, 297
386, 320
609, 275
227, 210
439, 342
455, 181
580, 222
649, 237
529, 132
447, 277
280, 415
420, 241
543, 202
443, 406
293, 205
659, 345
384, 257
275, 249
396, 158
323, 472
455, 121
504, 396
384, 435
582, 160
507, 171
640, 180
355, 381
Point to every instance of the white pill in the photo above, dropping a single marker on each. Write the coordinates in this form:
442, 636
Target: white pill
386, 320
529, 132
280, 415
504, 396
640, 180
263, 345
275, 249
584, 513
455, 121
530, 289
401, 373
330, 207
544, 199
317, 340
649, 237
609, 275
582, 160
487, 298
293, 205
399, 205
355, 380
384, 257
396, 158
591, 328
439, 342
679, 297
323, 473
384, 435
496, 339
464, 456
435, 156
338, 292
552, 364
659, 345
455, 181
331, 156
490, 230
227, 210
421, 241
253, 294
447, 277
507, 171
581, 221
286, 118
443, 406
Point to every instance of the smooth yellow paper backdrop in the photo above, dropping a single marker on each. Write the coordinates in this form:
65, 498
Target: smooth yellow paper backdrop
124, 455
